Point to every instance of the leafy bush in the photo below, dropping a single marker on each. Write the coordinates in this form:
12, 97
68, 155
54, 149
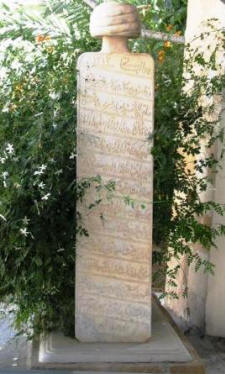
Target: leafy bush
187, 127
184, 121
37, 166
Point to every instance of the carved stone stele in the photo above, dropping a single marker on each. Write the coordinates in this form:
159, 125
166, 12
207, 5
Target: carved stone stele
115, 117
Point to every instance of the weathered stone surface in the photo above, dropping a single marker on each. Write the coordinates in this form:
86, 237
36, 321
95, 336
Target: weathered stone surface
166, 348
113, 264
115, 19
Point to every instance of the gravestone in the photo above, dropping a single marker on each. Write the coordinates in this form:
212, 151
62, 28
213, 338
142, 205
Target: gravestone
115, 117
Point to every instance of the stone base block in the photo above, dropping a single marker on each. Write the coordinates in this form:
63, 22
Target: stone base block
168, 351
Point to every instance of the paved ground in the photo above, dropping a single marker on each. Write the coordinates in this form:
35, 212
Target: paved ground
13, 348
212, 351
14, 351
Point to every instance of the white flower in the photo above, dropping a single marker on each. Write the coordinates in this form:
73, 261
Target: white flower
40, 170
45, 197
43, 167
2, 160
5, 174
16, 65
58, 172
3, 73
64, 56
3, 218
5, 109
25, 220
17, 185
9, 148
54, 95
211, 74
41, 185
73, 155
24, 231
29, 57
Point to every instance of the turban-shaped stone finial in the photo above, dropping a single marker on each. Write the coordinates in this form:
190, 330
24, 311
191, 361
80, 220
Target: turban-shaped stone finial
115, 19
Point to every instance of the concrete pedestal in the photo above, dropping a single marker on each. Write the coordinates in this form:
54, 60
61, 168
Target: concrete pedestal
168, 351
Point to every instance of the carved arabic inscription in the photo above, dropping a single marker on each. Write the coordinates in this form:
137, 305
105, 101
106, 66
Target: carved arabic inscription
113, 264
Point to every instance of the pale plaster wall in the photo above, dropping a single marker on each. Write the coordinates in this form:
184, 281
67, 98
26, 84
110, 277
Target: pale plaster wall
205, 304
215, 301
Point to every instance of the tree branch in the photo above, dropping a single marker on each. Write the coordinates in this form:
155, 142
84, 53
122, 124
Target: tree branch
162, 36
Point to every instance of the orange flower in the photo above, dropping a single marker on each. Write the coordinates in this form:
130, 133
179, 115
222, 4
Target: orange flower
169, 28
167, 44
39, 38
42, 38
178, 33
161, 56
19, 87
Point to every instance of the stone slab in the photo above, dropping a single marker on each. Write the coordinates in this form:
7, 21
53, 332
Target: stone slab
168, 351
113, 264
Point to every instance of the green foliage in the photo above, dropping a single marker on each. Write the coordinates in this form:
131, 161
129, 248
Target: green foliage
38, 187
186, 130
161, 14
